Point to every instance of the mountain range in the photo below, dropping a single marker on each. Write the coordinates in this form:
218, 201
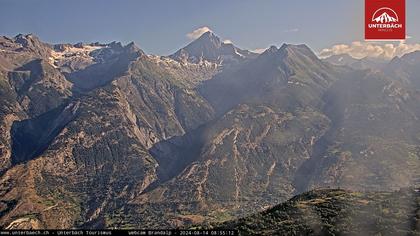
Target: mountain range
358, 64
106, 136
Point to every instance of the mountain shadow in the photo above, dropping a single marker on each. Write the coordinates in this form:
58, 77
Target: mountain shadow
32, 136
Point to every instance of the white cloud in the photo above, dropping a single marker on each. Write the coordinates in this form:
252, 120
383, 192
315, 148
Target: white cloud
259, 50
198, 32
360, 50
291, 30
227, 41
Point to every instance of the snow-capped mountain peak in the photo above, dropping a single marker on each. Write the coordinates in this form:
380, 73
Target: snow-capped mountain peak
210, 47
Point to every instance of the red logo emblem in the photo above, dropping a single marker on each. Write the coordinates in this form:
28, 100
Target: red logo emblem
385, 19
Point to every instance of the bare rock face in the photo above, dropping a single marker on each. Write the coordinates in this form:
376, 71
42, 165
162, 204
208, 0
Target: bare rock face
374, 132
29, 86
82, 164
22, 49
247, 161
39, 87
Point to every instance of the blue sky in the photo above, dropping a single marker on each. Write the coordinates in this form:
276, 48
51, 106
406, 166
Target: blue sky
160, 26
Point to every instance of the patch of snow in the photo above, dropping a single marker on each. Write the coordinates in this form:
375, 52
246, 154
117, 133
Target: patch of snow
71, 52
239, 54
295, 83
169, 62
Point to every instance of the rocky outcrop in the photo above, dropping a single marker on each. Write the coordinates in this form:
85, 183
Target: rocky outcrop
39, 87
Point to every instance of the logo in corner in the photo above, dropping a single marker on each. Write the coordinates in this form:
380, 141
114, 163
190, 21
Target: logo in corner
385, 15
384, 20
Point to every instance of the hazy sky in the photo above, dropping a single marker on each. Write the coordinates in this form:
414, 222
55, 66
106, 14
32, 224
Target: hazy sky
160, 26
